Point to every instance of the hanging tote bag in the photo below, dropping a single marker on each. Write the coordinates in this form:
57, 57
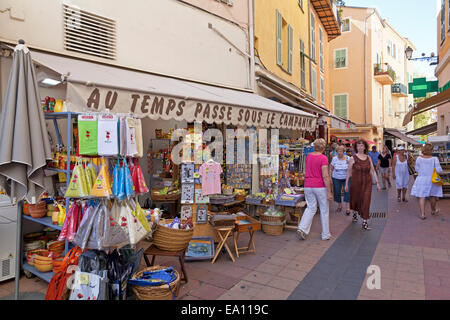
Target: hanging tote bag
87, 134
118, 187
84, 230
139, 141
102, 187
122, 136
141, 217
90, 286
138, 179
77, 185
435, 177
130, 137
108, 135
128, 181
113, 235
137, 231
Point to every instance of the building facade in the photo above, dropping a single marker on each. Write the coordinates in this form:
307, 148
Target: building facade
369, 75
200, 40
292, 40
442, 71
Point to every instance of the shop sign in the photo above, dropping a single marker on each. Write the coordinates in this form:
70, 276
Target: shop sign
82, 98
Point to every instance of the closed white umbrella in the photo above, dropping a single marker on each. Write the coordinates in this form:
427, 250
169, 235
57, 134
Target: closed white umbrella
24, 145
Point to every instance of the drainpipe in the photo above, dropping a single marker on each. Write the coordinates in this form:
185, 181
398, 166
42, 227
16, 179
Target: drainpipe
251, 30
365, 80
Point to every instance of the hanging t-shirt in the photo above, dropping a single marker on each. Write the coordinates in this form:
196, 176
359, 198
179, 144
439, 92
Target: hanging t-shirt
210, 173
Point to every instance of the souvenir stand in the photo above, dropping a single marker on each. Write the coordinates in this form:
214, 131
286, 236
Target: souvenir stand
442, 152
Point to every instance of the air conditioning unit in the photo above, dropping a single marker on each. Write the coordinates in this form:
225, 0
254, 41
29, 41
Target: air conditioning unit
8, 229
7, 267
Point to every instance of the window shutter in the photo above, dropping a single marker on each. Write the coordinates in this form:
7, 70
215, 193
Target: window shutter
340, 106
279, 40
302, 65
290, 40
321, 48
313, 37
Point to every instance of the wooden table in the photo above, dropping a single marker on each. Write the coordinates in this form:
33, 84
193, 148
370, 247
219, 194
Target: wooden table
254, 225
223, 233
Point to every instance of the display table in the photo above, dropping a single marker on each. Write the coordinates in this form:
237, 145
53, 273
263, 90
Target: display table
223, 233
250, 227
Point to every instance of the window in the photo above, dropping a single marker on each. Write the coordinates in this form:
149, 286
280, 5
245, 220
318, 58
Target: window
442, 21
313, 37
345, 25
340, 58
302, 65
284, 48
341, 105
389, 45
394, 51
321, 48
390, 107
322, 90
314, 83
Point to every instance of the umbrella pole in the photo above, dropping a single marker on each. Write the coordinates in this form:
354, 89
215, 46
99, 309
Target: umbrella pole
18, 249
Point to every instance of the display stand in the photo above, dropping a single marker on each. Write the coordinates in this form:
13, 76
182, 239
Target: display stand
46, 221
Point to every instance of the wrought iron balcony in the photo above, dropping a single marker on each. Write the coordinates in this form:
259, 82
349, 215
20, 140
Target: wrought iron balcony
399, 90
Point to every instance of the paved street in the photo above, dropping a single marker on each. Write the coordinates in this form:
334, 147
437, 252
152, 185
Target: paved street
413, 256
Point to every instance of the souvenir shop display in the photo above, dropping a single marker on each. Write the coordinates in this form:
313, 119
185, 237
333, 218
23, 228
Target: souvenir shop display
155, 283
187, 193
239, 176
173, 235
200, 248
186, 212
210, 177
87, 134
202, 214
200, 198
108, 135
187, 173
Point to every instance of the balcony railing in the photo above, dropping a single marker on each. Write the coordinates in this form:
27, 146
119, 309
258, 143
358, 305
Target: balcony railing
399, 89
384, 73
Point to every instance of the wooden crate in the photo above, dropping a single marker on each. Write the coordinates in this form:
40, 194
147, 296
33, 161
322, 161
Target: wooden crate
254, 225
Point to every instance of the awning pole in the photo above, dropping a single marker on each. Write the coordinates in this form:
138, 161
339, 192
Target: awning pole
18, 257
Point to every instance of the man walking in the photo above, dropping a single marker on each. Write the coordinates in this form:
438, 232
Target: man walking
374, 156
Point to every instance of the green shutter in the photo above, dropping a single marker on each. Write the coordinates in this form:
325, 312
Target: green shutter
302, 65
290, 44
279, 40
340, 106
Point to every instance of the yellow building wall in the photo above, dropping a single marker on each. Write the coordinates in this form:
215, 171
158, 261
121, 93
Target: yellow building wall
266, 36
443, 46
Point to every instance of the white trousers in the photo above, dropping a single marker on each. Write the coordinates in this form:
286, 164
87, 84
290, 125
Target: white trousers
312, 196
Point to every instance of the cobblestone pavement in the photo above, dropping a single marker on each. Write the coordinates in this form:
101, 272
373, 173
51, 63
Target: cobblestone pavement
413, 256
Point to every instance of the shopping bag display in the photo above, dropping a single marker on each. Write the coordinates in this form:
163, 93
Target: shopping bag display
141, 217
122, 137
84, 230
113, 235
139, 141
102, 187
87, 134
77, 185
138, 179
89, 286
128, 181
131, 225
108, 135
94, 240
118, 187
65, 227
130, 132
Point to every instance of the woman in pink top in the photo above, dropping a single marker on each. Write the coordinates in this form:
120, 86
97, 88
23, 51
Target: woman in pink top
317, 189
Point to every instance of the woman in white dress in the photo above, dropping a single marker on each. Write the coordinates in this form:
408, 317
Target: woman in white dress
423, 187
400, 173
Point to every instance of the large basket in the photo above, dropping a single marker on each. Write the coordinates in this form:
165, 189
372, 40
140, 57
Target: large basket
171, 239
158, 292
273, 225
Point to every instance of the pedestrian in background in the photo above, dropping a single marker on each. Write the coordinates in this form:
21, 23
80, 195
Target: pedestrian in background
423, 187
384, 165
361, 170
317, 190
400, 173
338, 169
374, 154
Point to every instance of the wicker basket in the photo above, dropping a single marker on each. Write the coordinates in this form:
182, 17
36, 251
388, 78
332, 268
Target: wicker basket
158, 292
171, 239
272, 225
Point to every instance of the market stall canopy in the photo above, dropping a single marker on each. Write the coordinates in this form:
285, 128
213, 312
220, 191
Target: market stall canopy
430, 103
93, 87
402, 136
431, 128
24, 146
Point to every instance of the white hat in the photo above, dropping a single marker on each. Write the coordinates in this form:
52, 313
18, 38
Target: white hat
400, 148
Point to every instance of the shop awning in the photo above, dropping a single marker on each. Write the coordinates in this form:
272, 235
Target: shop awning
401, 136
93, 87
430, 103
431, 128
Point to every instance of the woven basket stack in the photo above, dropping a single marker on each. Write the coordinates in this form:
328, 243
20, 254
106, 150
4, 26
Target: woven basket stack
171, 239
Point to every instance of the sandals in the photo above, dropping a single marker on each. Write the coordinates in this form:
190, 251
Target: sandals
347, 212
435, 212
398, 199
339, 209
365, 225
423, 218
405, 200
355, 217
